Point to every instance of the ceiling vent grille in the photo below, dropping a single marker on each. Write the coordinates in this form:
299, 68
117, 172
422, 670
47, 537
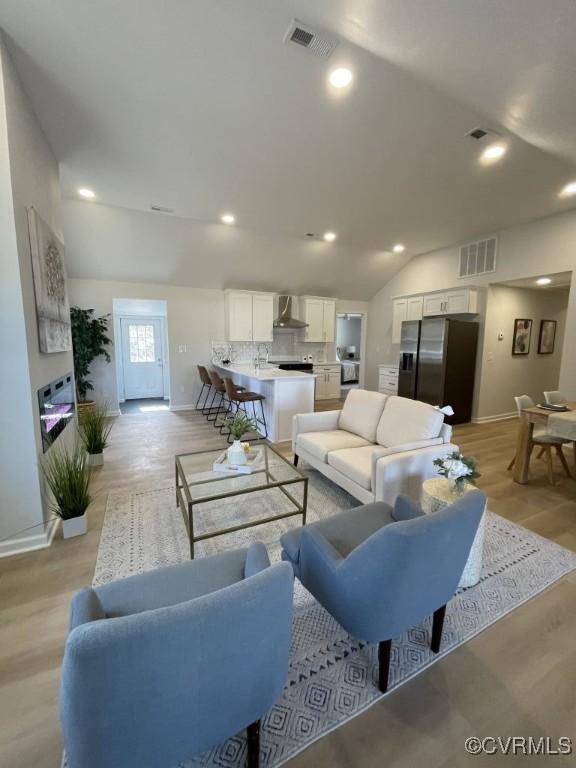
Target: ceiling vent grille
161, 209
478, 258
317, 43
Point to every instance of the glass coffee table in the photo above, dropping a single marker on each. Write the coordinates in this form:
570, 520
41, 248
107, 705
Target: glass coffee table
197, 484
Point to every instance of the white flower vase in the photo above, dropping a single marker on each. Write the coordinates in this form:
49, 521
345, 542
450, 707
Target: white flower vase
75, 526
236, 454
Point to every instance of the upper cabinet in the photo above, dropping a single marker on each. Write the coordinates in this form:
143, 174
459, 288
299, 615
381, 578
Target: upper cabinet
320, 314
399, 314
249, 316
458, 302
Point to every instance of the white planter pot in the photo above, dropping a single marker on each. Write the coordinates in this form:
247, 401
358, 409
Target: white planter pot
96, 459
236, 454
75, 526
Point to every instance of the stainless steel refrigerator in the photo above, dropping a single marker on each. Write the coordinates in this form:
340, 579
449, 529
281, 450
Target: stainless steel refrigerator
438, 364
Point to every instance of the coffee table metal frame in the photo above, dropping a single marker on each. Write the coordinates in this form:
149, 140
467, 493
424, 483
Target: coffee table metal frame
186, 503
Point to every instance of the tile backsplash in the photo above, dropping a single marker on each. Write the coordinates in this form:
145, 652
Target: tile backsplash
285, 345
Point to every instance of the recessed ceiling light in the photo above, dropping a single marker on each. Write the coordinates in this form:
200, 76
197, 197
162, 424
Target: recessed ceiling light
569, 190
493, 152
227, 218
87, 193
329, 237
544, 281
341, 77
399, 248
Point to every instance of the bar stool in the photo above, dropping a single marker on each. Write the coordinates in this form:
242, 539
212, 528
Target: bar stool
219, 389
239, 397
206, 387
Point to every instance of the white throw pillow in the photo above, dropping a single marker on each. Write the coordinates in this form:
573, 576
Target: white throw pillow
361, 413
406, 421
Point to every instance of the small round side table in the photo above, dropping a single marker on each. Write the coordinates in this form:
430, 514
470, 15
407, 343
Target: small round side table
437, 493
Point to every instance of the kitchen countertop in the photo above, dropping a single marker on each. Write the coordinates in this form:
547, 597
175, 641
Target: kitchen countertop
270, 373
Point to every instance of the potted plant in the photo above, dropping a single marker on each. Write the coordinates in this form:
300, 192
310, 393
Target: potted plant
459, 470
94, 426
89, 341
239, 425
68, 477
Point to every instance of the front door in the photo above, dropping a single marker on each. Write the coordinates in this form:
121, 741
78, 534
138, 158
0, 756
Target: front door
142, 357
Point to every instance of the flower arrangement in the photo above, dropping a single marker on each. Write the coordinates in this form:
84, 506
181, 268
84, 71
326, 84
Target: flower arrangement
459, 469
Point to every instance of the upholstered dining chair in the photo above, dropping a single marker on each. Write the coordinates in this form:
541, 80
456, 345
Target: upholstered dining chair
555, 397
381, 570
543, 440
164, 665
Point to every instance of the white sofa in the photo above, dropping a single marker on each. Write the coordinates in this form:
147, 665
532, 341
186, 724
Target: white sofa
376, 447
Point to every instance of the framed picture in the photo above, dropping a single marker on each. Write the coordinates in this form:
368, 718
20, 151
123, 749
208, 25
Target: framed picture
522, 334
49, 270
547, 337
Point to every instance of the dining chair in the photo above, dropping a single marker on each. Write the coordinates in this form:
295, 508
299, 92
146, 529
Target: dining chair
545, 441
555, 397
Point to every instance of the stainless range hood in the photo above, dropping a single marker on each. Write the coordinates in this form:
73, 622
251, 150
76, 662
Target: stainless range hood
285, 319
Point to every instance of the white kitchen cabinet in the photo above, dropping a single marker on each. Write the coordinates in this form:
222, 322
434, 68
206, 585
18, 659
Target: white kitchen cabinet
249, 316
415, 308
399, 314
320, 314
463, 301
262, 316
327, 382
388, 379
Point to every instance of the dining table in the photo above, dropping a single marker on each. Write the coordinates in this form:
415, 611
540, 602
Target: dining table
557, 423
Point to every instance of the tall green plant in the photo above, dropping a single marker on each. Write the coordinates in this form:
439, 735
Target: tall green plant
68, 477
89, 341
94, 427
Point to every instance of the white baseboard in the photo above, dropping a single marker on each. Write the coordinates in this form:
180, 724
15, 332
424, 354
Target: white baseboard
115, 412
495, 417
29, 543
188, 407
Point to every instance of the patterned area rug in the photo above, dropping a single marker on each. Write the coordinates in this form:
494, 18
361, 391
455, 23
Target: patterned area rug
332, 675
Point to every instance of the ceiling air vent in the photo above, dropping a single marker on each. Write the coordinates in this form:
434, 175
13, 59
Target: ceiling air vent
161, 209
478, 258
318, 43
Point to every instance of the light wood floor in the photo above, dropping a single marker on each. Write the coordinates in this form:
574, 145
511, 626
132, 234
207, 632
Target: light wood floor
516, 678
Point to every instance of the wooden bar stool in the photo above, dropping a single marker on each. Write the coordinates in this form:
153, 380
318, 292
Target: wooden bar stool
239, 397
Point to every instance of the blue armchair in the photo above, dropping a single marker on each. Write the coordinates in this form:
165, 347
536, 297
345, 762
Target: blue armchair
161, 666
381, 570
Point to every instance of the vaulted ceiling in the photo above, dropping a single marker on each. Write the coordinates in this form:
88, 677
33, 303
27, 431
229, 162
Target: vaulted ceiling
200, 106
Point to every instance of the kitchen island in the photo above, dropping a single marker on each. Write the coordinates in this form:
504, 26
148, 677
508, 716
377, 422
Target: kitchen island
287, 393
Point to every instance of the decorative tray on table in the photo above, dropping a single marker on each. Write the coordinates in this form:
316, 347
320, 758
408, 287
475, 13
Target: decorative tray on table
254, 462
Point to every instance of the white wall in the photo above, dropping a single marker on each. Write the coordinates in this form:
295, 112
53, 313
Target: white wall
29, 177
195, 317
544, 246
505, 375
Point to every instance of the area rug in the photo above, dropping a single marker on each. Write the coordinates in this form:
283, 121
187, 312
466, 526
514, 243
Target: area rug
332, 675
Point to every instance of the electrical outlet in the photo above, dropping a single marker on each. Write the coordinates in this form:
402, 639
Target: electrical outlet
490, 357
181, 348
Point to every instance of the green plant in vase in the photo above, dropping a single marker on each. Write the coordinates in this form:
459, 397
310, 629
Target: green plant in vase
67, 475
239, 425
458, 469
89, 341
94, 426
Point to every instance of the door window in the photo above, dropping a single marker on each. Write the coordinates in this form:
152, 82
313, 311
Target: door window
141, 343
